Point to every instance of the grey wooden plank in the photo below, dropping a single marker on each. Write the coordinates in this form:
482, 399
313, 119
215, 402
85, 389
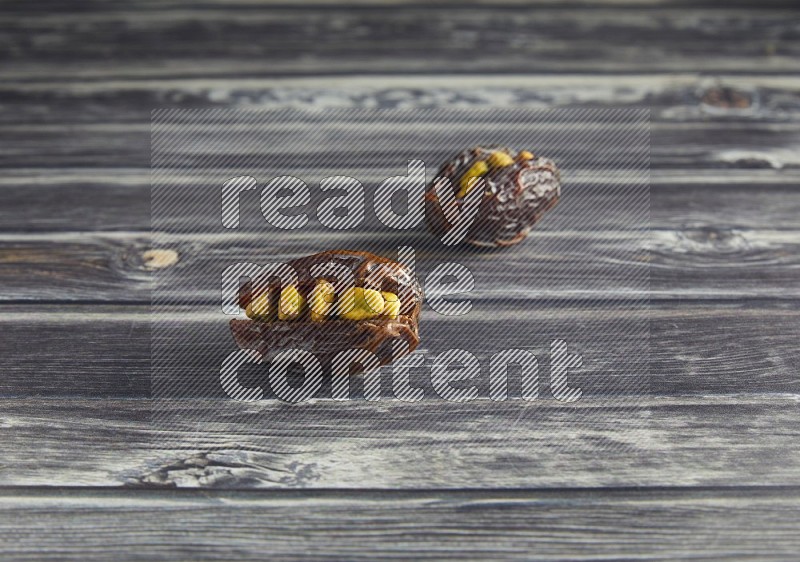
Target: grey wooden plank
695, 348
669, 97
705, 262
100, 199
579, 525
112, 6
89, 199
335, 40
700, 441
351, 147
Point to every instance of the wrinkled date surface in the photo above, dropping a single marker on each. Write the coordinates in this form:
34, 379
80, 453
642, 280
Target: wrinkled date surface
519, 187
341, 300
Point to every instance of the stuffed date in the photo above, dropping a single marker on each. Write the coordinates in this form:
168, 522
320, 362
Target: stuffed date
518, 188
339, 300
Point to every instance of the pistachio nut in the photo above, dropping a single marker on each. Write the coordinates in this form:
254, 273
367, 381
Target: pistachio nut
291, 304
499, 159
321, 300
477, 170
260, 308
357, 303
391, 307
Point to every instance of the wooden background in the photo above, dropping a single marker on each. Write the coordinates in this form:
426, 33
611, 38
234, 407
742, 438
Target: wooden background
714, 471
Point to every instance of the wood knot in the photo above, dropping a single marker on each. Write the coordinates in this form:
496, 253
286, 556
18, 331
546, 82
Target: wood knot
725, 97
159, 258
709, 240
226, 469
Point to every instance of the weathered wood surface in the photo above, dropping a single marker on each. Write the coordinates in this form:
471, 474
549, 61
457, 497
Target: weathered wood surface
536, 525
669, 97
433, 444
705, 263
119, 200
241, 39
674, 145
700, 263
79, 82
696, 348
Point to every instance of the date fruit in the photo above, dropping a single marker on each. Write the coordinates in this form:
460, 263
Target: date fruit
518, 188
341, 300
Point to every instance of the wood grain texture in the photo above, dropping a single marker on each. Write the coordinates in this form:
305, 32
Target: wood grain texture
670, 97
710, 443
119, 200
674, 145
242, 40
731, 441
703, 263
584, 524
696, 348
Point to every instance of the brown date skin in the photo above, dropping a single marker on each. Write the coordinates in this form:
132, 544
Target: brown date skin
326, 339
515, 197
